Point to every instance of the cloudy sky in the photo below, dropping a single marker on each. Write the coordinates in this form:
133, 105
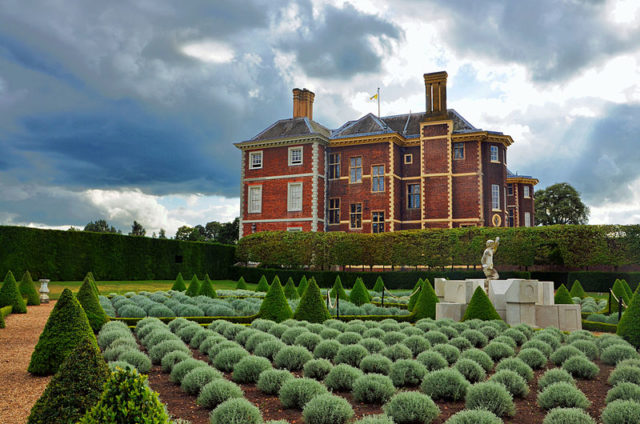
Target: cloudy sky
127, 110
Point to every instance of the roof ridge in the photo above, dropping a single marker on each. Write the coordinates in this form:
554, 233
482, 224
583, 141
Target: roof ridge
268, 128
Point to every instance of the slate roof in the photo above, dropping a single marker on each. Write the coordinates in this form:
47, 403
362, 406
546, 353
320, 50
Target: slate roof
290, 128
516, 175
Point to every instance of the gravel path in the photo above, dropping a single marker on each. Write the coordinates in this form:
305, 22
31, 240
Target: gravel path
20, 390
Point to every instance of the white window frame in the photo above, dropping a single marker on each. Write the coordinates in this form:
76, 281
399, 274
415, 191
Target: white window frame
252, 190
526, 191
494, 153
495, 197
256, 153
408, 158
294, 149
294, 229
291, 207
527, 219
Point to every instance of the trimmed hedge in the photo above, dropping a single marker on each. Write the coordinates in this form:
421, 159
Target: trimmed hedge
275, 306
67, 255
629, 325
28, 289
480, 307
91, 305
312, 307
10, 295
392, 279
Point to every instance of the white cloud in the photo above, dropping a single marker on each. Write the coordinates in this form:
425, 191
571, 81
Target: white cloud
209, 51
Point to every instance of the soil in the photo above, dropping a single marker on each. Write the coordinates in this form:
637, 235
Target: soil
181, 405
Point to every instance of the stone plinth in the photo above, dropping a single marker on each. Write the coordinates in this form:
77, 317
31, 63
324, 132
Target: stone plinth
497, 291
521, 313
569, 318
547, 316
545, 293
438, 285
522, 291
454, 311
460, 291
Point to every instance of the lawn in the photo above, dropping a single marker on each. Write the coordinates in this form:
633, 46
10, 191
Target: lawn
122, 287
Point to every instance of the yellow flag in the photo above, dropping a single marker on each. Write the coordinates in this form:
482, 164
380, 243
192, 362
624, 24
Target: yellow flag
375, 96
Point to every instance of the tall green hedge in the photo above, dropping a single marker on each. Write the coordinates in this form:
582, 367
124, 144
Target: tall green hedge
572, 246
67, 255
392, 279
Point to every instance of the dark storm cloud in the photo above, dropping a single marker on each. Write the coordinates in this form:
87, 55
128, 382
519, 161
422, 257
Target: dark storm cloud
337, 45
553, 39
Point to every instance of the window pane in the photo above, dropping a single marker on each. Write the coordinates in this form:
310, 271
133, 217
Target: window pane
495, 196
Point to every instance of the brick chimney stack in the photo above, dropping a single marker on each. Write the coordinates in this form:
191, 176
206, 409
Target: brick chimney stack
303, 103
435, 85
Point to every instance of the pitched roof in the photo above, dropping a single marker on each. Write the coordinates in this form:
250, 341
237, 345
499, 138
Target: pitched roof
290, 128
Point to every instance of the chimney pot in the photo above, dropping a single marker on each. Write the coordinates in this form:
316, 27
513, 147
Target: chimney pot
435, 85
303, 103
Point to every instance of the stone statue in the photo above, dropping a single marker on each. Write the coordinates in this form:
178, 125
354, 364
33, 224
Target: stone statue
487, 262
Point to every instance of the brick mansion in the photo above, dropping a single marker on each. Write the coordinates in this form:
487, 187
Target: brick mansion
419, 170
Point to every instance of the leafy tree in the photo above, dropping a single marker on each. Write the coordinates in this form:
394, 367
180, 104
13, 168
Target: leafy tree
187, 233
229, 232
100, 226
137, 229
560, 204
162, 234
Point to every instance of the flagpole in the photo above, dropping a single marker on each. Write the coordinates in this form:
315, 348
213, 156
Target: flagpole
378, 97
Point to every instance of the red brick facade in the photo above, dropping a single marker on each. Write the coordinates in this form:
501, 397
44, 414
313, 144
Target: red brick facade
429, 170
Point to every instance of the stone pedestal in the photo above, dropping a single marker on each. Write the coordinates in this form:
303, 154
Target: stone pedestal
454, 311
569, 318
460, 291
44, 291
497, 291
547, 316
439, 285
521, 313
545, 293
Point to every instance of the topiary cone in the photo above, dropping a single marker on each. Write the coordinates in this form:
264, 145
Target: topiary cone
303, 285
416, 294
338, 289
263, 285
93, 282
206, 288
242, 285
28, 289
562, 296
91, 305
379, 285
577, 290
627, 290
194, 287
629, 325
425, 306
620, 292
74, 389
312, 307
66, 327
275, 306
359, 294
179, 284
10, 295
480, 307
290, 290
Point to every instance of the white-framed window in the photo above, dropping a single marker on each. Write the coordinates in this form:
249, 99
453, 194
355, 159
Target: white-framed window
377, 222
295, 155
494, 154
526, 192
495, 197
355, 221
527, 219
458, 151
255, 160
355, 169
255, 199
334, 210
408, 159
377, 178
294, 197
294, 229
413, 196
334, 166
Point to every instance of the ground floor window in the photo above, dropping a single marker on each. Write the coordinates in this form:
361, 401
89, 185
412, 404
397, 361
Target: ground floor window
527, 219
413, 196
377, 222
355, 221
511, 222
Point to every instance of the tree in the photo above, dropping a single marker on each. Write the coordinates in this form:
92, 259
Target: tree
229, 232
190, 233
137, 229
560, 204
100, 226
162, 234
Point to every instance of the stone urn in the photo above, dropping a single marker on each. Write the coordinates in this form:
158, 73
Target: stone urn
44, 291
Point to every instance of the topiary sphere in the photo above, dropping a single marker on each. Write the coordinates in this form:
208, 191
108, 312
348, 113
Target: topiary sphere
341, 378
227, 359
373, 345
236, 411
624, 391
373, 388
581, 367
327, 409
621, 412
532, 357
417, 344
375, 419
296, 393
268, 349
411, 407
172, 358
432, 360
182, 368
491, 396
512, 381
376, 363
543, 347
445, 384
480, 357
317, 369
563, 353
624, 373
562, 395
270, 381
407, 373
448, 352
618, 352
327, 349
197, 378
218, 391
471, 370
554, 375
249, 368
292, 358
476, 416
517, 365
497, 350
568, 416
350, 355
397, 351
